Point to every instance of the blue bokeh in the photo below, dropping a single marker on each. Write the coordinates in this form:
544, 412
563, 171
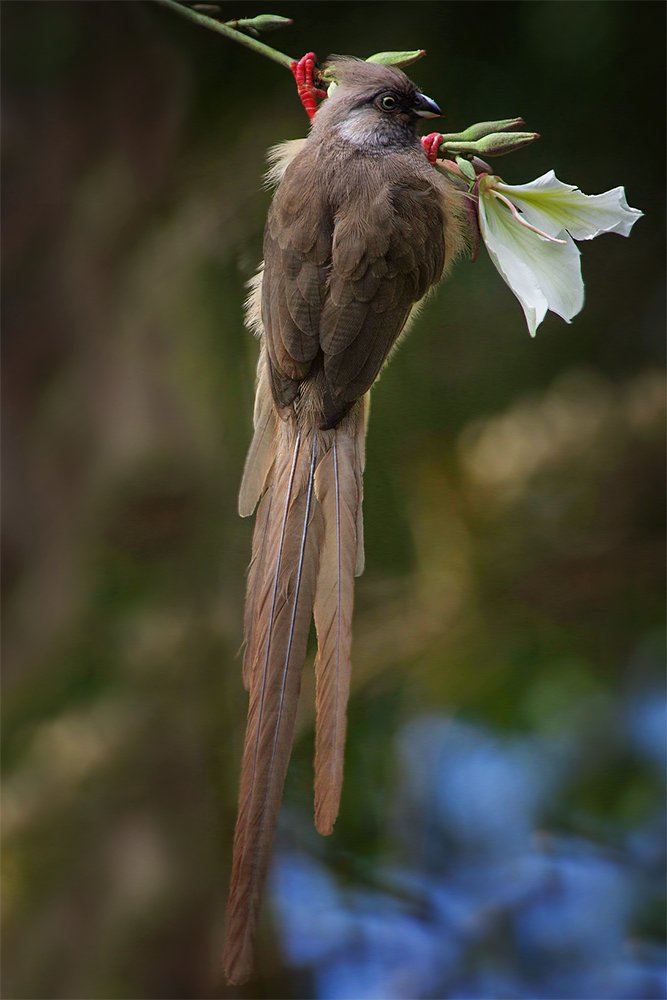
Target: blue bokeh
476, 898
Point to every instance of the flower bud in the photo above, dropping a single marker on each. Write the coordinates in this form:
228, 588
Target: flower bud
495, 144
397, 58
499, 143
481, 166
478, 131
263, 22
466, 168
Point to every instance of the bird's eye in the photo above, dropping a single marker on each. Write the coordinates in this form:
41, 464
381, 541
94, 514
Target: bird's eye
388, 102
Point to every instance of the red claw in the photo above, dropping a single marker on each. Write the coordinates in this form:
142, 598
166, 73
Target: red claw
431, 144
303, 71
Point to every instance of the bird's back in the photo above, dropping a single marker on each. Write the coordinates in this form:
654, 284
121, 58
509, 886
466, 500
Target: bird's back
353, 240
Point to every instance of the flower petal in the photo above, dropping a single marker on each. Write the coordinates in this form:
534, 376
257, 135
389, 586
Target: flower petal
552, 205
542, 274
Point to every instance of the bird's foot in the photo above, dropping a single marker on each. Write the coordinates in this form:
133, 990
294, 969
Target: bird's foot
303, 71
431, 144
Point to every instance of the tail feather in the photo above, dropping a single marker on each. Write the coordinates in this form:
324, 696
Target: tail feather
362, 415
338, 493
305, 553
283, 608
256, 571
260, 455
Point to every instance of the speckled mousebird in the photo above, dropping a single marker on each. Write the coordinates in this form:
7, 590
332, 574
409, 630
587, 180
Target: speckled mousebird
361, 227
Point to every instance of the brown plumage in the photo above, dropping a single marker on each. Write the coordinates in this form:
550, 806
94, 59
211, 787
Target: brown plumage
360, 228
338, 487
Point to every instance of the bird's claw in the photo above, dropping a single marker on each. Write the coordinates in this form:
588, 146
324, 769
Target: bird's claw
304, 70
431, 144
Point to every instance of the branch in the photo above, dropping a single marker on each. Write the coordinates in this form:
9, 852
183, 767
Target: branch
224, 29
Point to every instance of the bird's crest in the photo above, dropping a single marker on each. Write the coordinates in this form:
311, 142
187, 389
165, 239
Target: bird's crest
356, 74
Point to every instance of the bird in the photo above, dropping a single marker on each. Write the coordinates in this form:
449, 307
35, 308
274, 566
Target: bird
361, 227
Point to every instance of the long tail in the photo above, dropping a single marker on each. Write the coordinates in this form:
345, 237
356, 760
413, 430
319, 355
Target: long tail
306, 548
338, 489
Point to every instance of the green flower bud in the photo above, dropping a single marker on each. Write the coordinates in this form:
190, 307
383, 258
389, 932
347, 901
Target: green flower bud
466, 168
263, 22
481, 129
495, 144
397, 58
498, 143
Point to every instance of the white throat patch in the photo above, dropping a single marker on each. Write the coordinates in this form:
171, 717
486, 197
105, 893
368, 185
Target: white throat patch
360, 133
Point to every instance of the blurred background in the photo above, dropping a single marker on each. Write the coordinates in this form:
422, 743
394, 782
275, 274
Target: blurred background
502, 829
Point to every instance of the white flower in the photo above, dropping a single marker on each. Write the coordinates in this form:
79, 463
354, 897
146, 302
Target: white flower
529, 231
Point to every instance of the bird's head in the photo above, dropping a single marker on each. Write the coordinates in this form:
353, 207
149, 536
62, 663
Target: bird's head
373, 105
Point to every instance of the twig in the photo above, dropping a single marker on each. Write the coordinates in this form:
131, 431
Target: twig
223, 29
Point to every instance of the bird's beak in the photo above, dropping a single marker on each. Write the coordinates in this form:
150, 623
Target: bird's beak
425, 107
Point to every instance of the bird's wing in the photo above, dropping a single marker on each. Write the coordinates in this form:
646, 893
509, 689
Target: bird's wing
386, 254
297, 256
344, 283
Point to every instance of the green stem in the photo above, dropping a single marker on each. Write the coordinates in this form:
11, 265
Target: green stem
224, 29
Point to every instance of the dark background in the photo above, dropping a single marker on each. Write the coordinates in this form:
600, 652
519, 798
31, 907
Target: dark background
502, 831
